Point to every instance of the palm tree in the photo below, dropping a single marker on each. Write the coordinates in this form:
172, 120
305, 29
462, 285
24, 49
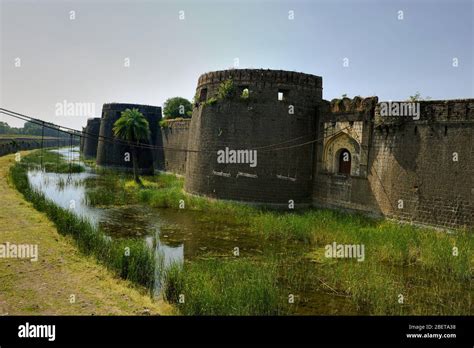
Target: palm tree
133, 127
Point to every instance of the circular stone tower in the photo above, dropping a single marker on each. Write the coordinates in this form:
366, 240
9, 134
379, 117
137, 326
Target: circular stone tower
112, 153
249, 136
91, 137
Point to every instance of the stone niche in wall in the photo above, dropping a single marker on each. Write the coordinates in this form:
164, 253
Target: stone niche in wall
342, 143
345, 127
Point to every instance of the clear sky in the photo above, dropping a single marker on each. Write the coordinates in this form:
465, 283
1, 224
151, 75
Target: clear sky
82, 60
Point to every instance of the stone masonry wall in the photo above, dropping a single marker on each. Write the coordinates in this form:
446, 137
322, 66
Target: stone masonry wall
91, 138
22, 144
426, 166
175, 143
111, 153
418, 171
254, 123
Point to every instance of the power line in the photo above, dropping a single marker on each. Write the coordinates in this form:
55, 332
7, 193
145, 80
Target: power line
84, 134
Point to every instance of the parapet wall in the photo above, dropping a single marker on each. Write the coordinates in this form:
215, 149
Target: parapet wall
303, 90
262, 78
91, 137
175, 143
112, 153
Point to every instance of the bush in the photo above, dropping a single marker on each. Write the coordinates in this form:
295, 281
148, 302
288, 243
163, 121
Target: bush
226, 89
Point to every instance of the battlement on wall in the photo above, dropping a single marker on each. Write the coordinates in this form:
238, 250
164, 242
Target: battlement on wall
261, 75
178, 123
430, 111
347, 109
123, 106
357, 104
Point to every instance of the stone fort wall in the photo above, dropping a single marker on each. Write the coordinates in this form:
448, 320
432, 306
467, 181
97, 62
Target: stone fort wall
418, 171
8, 146
175, 143
112, 153
91, 138
252, 124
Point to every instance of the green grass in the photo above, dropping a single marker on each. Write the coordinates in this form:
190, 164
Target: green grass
52, 162
224, 287
130, 259
384, 241
159, 191
417, 263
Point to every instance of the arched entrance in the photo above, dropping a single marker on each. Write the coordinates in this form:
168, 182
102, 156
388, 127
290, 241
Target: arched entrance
344, 162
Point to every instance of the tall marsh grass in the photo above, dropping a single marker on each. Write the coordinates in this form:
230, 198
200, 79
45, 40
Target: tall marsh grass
224, 287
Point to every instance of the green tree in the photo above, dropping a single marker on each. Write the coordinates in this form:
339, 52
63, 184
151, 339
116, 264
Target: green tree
177, 107
132, 127
5, 128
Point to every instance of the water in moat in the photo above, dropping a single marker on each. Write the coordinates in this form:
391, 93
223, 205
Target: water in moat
179, 235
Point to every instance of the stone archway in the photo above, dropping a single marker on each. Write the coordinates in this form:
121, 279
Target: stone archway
334, 149
344, 162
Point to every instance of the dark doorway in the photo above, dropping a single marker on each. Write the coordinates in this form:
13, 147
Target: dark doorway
345, 162
203, 95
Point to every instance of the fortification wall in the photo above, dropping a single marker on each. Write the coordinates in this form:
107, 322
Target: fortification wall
417, 170
22, 144
91, 137
426, 166
344, 124
254, 123
81, 142
113, 153
175, 142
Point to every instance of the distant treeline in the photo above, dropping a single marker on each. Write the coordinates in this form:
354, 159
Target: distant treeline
31, 128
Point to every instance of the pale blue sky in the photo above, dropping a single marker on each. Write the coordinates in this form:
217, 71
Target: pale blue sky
82, 60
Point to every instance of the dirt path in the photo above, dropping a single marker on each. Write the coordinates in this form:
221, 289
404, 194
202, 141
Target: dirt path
61, 273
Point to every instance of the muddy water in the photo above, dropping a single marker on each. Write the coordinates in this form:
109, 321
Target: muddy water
178, 235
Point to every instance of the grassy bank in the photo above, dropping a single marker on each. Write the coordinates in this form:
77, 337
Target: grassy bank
63, 281
131, 259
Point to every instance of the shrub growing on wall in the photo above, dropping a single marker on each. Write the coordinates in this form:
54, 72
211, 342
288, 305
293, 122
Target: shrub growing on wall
226, 89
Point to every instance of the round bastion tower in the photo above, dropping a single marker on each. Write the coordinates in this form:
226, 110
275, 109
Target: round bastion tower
89, 147
248, 133
112, 153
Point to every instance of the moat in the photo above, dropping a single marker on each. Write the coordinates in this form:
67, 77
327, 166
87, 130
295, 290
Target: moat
182, 235
400, 262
